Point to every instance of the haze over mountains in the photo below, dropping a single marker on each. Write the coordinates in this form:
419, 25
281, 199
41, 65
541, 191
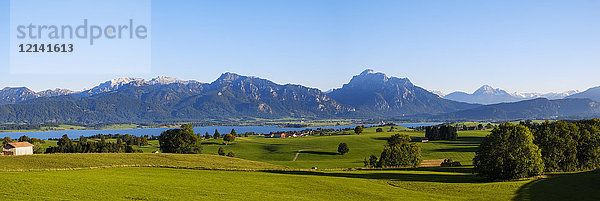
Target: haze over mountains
368, 95
489, 95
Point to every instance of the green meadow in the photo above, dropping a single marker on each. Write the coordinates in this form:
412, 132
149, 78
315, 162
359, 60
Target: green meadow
264, 170
321, 151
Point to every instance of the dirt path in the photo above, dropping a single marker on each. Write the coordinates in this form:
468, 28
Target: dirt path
297, 153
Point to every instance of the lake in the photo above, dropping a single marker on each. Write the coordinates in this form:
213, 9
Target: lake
157, 131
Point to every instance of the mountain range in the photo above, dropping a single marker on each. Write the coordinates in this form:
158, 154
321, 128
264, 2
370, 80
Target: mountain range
369, 95
488, 95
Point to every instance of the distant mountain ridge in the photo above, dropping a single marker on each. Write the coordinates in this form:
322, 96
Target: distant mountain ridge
488, 95
11, 95
540, 108
592, 93
369, 95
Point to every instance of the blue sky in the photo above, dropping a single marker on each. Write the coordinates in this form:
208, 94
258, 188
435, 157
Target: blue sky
532, 46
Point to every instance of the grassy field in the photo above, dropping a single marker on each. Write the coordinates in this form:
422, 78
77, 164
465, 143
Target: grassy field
321, 151
137, 183
270, 174
95, 160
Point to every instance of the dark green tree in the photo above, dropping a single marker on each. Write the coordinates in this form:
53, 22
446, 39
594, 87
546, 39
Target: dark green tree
228, 138
24, 138
398, 139
6, 140
401, 155
399, 152
182, 141
371, 162
233, 132
558, 145
343, 148
508, 153
217, 135
358, 129
206, 135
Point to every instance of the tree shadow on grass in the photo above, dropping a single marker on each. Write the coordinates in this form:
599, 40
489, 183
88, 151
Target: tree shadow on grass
463, 169
412, 138
394, 176
458, 149
320, 152
462, 140
271, 148
211, 143
568, 186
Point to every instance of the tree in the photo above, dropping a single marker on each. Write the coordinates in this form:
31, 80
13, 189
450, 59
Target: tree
233, 132
444, 132
489, 126
508, 153
144, 141
398, 139
379, 130
6, 140
206, 135
558, 145
372, 162
231, 154
358, 130
401, 155
343, 148
229, 138
37, 148
217, 135
182, 141
24, 138
82, 139
221, 151
480, 127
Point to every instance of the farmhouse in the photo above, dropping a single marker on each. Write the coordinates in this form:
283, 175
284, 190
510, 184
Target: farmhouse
18, 148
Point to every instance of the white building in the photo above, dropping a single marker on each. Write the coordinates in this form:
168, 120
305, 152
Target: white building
18, 148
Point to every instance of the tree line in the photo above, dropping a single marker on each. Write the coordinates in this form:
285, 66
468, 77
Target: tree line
66, 145
528, 150
443, 132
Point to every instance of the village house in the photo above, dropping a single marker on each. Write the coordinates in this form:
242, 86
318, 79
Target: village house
17, 148
283, 135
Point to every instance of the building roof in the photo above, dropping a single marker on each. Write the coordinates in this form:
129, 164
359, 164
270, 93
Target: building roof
20, 144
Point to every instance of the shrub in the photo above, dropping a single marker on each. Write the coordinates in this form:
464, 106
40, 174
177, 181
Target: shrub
231, 154
379, 130
450, 163
221, 151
